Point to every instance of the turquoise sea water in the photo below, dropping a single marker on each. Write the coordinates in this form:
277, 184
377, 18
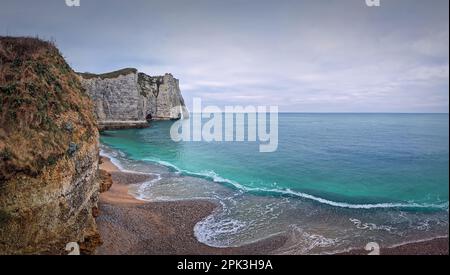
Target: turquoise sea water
335, 182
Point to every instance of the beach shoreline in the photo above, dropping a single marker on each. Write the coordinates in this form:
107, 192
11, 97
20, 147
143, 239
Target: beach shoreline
435, 246
129, 225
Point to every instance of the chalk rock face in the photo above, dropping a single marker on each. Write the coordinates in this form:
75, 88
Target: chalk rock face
49, 152
128, 99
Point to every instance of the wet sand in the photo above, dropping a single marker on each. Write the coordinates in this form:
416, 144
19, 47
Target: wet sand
438, 246
130, 226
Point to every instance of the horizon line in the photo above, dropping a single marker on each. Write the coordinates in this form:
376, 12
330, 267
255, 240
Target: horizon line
295, 112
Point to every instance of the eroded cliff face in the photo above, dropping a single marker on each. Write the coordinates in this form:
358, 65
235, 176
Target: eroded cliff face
127, 98
48, 152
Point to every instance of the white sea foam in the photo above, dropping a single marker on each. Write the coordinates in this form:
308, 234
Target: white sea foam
370, 226
143, 187
303, 242
114, 160
216, 232
216, 178
219, 230
112, 157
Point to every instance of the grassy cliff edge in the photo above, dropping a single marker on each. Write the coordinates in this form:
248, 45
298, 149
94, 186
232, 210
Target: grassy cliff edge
48, 152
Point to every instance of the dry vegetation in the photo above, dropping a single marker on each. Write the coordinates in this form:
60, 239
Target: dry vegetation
109, 75
44, 111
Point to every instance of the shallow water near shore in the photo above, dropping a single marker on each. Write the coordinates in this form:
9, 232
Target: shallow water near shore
338, 181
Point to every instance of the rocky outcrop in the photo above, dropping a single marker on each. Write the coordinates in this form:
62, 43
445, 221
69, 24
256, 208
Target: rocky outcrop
105, 180
49, 152
128, 99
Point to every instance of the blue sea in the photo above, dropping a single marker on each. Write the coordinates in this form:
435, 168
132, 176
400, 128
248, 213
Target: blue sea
336, 182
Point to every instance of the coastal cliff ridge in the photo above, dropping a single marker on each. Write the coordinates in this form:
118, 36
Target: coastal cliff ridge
128, 98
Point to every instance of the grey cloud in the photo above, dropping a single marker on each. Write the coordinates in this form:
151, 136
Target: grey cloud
302, 55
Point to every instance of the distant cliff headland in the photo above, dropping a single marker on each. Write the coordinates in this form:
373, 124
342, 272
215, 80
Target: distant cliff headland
129, 99
49, 142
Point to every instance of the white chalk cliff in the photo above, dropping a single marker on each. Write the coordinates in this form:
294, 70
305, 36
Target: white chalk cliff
128, 98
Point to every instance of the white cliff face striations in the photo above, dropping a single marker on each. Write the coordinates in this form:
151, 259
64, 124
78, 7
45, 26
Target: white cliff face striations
128, 99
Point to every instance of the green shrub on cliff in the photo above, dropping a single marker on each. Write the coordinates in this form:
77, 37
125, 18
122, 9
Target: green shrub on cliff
39, 95
114, 74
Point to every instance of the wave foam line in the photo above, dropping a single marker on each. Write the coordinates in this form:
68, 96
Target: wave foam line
143, 186
117, 163
216, 178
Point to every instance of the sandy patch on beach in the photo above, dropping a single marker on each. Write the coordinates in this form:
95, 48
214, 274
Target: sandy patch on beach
131, 226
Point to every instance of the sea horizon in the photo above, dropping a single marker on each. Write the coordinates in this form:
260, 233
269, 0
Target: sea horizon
181, 176
387, 113
224, 127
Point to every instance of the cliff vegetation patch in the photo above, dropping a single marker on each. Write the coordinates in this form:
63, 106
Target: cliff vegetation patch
44, 110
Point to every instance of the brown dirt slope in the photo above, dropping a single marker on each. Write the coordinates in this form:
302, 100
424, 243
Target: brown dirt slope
48, 151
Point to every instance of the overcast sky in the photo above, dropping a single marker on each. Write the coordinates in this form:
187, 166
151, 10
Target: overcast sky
305, 56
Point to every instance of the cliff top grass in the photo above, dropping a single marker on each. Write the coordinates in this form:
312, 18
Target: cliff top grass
44, 113
109, 75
